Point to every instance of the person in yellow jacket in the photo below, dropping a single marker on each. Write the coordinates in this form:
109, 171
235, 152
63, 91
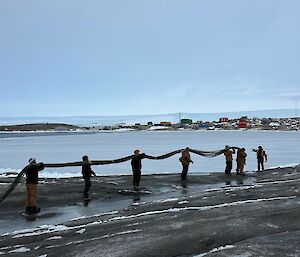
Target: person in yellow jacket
185, 160
229, 151
240, 161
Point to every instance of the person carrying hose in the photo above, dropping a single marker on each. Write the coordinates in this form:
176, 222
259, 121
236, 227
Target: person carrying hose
185, 160
32, 179
240, 161
261, 157
136, 164
87, 172
229, 151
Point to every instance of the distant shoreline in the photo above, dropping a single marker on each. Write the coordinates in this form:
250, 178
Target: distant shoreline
69, 128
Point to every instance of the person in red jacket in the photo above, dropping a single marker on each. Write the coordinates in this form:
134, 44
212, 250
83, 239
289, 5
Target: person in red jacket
32, 179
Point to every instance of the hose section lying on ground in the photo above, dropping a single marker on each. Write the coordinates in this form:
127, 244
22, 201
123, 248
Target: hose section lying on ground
11, 187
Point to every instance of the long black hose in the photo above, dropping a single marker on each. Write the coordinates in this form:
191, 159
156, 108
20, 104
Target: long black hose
12, 186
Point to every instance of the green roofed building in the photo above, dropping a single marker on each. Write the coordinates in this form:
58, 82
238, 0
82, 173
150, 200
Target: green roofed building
186, 121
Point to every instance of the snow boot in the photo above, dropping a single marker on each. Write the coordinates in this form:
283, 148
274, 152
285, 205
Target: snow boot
28, 210
35, 210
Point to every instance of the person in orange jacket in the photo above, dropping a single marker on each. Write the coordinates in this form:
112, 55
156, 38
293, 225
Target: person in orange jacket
261, 158
240, 161
185, 160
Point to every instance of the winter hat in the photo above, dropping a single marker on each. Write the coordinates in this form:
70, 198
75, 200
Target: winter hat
85, 158
32, 161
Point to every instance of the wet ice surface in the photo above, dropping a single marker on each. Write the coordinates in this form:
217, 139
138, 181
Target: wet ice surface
193, 209
175, 193
58, 215
221, 248
163, 194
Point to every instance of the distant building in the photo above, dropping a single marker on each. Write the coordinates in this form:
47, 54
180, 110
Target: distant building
218, 125
203, 125
274, 124
223, 119
186, 121
242, 123
265, 122
165, 123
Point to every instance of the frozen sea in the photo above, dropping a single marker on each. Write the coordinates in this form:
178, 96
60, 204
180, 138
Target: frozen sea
16, 148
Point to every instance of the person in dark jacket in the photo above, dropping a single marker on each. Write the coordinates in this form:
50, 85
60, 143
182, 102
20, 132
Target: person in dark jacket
86, 174
32, 179
261, 157
136, 164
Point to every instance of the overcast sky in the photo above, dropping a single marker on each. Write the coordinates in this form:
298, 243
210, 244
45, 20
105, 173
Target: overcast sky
68, 57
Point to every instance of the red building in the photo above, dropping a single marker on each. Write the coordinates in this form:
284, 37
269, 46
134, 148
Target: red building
165, 123
242, 123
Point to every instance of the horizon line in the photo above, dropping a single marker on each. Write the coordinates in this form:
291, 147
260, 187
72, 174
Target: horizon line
124, 115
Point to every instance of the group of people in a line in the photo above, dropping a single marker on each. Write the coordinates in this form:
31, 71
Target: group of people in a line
32, 180
241, 159
136, 164
241, 155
